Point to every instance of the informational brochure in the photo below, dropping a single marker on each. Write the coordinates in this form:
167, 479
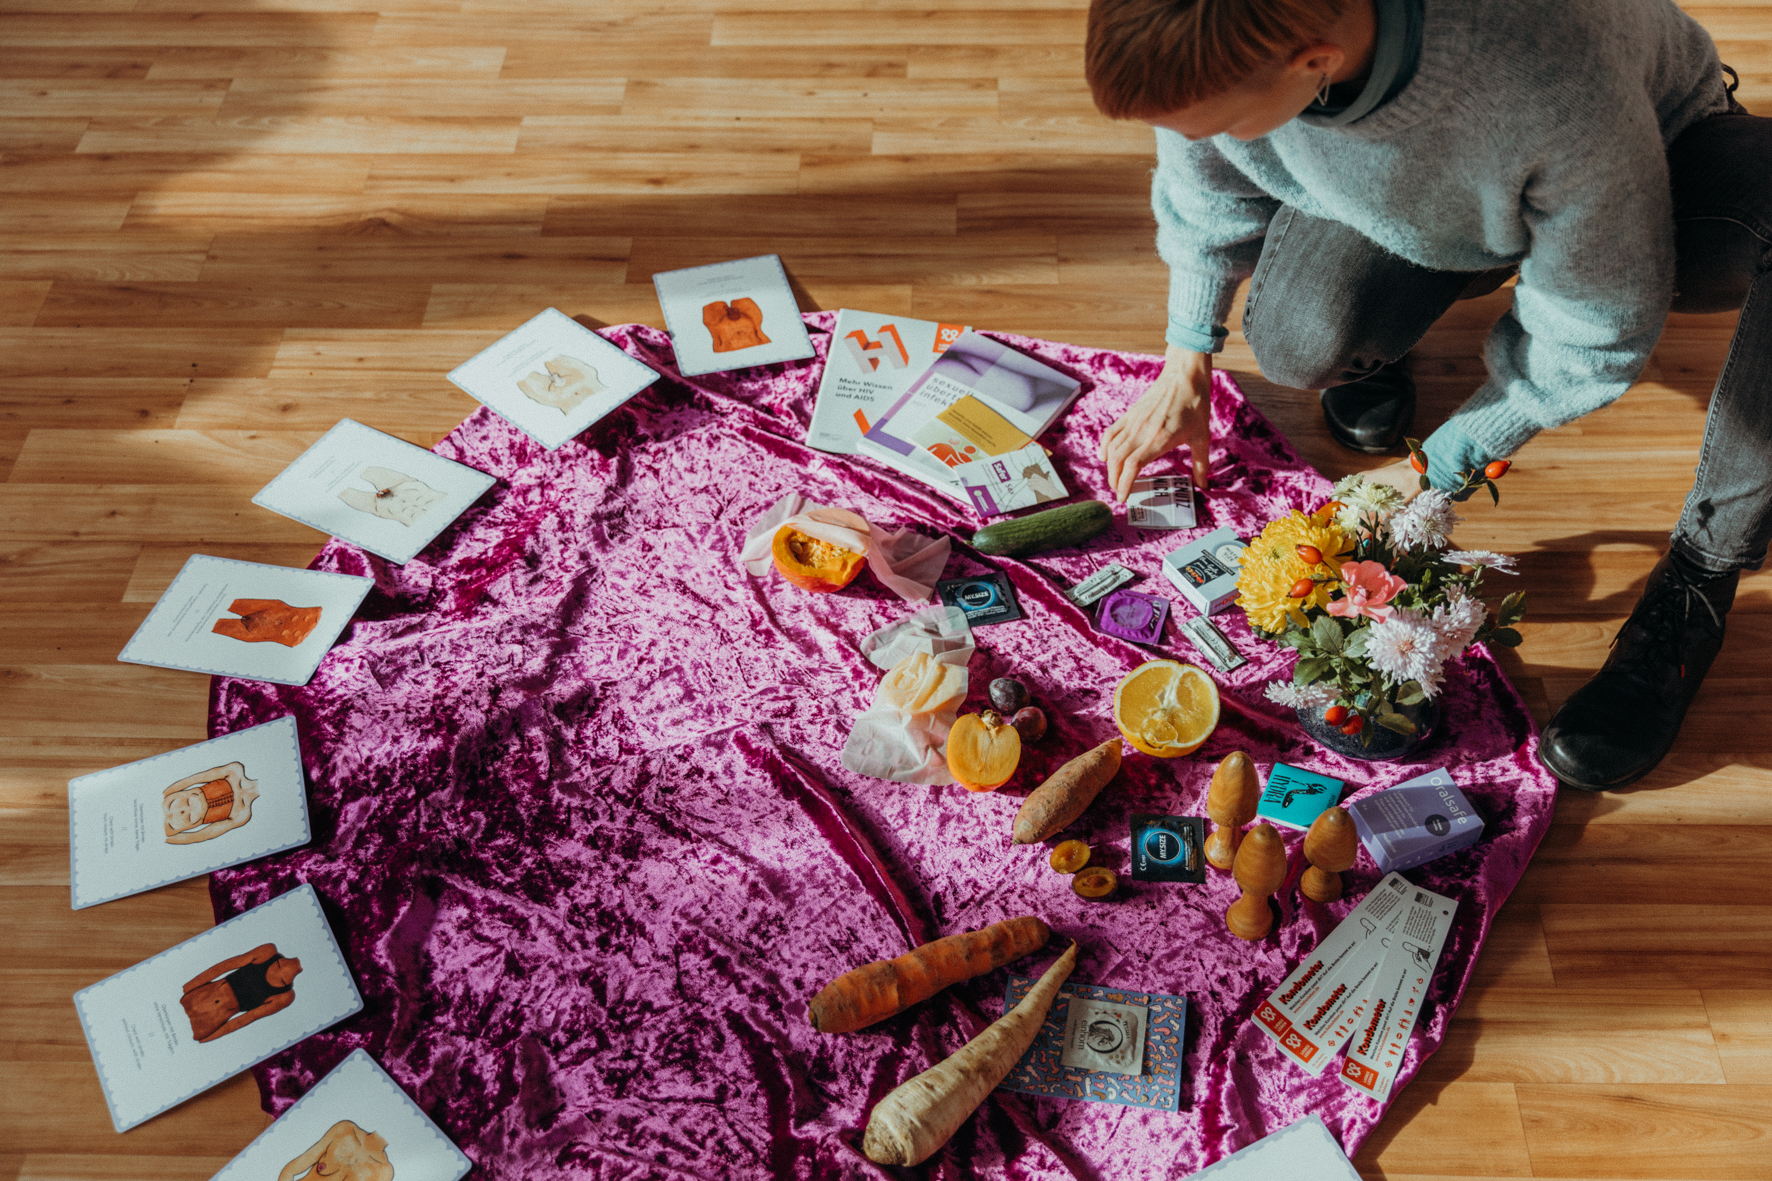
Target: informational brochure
732, 315
177, 1024
553, 378
375, 491
245, 619
356, 1123
1386, 1015
873, 360
1021, 479
1301, 1151
981, 400
187, 812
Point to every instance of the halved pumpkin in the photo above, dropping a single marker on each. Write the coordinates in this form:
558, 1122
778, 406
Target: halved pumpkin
983, 751
816, 565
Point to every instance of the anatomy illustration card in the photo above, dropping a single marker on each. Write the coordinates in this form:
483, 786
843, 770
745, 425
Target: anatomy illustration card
244, 619
553, 378
186, 812
355, 1124
873, 359
732, 315
181, 1022
374, 491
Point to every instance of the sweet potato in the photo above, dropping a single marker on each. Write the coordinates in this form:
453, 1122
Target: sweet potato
918, 1117
876, 991
1066, 793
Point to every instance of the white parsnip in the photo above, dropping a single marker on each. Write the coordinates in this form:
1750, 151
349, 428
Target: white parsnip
919, 1116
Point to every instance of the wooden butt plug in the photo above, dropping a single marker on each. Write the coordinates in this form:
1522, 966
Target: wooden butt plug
1261, 867
1330, 846
1231, 803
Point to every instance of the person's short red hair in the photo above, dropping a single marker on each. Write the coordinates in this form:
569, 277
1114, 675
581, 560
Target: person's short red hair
1147, 58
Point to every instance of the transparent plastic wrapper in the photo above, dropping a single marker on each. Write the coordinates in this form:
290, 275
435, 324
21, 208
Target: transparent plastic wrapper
905, 561
901, 735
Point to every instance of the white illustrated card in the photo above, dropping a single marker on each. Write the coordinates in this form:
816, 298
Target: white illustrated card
553, 378
1004, 483
356, 1124
1304, 1149
732, 315
187, 812
244, 619
177, 1024
373, 490
1104, 1035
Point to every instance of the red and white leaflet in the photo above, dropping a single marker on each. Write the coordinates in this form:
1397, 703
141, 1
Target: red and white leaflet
1307, 1015
1386, 1015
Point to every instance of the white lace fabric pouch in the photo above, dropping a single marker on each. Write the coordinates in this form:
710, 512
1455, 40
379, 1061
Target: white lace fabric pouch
902, 734
905, 561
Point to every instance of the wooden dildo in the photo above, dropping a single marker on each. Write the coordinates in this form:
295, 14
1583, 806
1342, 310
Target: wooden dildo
1231, 803
1330, 846
1260, 868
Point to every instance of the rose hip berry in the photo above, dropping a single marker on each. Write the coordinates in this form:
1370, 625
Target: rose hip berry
1354, 725
1418, 461
1309, 554
1497, 468
1335, 715
1301, 588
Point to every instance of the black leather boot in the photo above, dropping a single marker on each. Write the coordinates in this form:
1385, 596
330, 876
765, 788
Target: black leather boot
1618, 726
1374, 413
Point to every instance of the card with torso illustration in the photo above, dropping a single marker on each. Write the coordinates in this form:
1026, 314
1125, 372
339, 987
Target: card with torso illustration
373, 490
872, 360
732, 315
553, 378
230, 618
356, 1123
199, 1013
187, 812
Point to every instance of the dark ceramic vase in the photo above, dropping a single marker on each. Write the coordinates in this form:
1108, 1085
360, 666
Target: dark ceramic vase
1386, 745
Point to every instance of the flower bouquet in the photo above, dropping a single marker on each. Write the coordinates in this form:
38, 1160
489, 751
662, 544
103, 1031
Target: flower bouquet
1370, 593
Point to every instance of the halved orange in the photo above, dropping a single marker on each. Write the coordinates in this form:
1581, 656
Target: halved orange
1165, 708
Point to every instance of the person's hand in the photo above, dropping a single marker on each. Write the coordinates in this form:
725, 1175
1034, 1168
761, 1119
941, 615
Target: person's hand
1399, 475
1176, 409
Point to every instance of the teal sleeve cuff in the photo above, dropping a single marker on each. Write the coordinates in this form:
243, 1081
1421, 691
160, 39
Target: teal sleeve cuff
1198, 338
1449, 452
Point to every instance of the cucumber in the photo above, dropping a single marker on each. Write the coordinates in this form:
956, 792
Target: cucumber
1053, 529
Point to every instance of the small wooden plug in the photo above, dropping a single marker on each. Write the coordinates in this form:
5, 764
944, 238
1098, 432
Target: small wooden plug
1231, 803
1261, 867
1330, 846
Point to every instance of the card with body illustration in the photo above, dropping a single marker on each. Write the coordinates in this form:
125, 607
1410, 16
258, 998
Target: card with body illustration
373, 490
553, 378
187, 812
356, 1124
230, 618
199, 1013
732, 315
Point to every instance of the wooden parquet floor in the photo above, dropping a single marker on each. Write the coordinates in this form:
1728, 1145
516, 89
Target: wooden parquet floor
226, 224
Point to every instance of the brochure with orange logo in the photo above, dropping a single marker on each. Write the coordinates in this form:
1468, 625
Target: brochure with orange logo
873, 360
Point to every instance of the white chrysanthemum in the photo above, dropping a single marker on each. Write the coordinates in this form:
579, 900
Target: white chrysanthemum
1456, 622
1424, 523
1484, 558
1300, 696
1405, 647
1365, 506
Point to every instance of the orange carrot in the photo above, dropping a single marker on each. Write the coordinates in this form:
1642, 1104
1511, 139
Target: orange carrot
876, 991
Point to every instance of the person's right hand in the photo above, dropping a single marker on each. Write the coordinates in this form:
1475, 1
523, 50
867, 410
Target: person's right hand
1176, 409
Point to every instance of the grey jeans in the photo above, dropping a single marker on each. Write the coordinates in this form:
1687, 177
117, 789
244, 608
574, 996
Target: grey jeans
1328, 306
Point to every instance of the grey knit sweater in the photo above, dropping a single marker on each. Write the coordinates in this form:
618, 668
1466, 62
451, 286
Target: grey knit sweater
1533, 132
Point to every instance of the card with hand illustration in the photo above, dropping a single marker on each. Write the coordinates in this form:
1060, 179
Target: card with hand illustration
553, 378
732, 315
199, 1013
356, 1124
230, 618
187, 812
374, 490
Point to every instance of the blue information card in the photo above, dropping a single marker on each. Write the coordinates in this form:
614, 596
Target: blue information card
1294, 798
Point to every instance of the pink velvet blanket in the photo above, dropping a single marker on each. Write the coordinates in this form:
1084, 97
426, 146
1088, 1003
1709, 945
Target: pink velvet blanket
582, 830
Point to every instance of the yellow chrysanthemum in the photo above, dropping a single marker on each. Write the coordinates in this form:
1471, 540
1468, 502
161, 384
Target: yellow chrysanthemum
1272, 566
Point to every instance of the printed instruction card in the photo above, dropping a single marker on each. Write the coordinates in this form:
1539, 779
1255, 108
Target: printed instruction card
245, 619
553, 378
177, 1024
732, 315
1302, 1150
187, 812
357, 1124
377, 492
873, 360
